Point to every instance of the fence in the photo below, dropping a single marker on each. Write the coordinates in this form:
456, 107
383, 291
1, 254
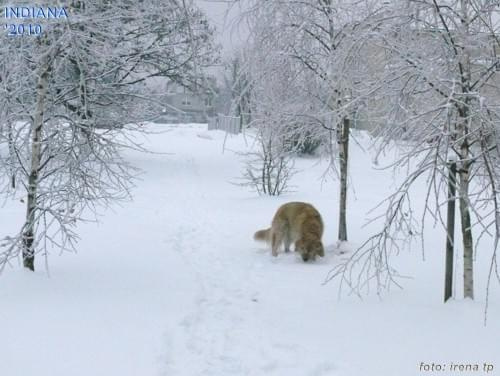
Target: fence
229, 124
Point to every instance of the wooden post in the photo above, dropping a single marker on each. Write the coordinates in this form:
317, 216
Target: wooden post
450, 230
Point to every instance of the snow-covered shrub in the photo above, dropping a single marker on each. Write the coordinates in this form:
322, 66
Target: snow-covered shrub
269, 168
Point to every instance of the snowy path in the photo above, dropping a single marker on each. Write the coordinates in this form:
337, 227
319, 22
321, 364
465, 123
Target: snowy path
223, 335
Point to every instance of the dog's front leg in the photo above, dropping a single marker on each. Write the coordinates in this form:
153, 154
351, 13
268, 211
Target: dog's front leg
288, 241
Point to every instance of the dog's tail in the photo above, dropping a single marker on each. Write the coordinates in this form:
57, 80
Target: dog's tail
263, 235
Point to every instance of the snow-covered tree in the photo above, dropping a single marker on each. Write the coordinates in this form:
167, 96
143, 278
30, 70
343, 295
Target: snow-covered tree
236, 90
70, 105
272, 80
322, 39
435, 81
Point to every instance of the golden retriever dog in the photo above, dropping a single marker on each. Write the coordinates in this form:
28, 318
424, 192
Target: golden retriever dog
299, 223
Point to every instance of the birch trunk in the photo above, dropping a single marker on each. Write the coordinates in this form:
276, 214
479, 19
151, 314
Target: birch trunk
466, 226
464, 176
343, 141
36, 148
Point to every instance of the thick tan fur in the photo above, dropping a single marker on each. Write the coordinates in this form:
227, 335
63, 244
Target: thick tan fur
299, 223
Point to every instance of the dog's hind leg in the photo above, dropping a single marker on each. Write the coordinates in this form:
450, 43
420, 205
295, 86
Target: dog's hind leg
276, 240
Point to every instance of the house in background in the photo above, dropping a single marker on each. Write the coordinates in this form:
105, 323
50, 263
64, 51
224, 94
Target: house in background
189, 104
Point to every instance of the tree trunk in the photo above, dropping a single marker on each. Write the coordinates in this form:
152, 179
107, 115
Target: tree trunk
464, 165
36, 149
464, 155
466, 231
343, 140
450, 227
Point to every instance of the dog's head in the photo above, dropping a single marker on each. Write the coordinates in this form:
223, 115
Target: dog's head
309, 250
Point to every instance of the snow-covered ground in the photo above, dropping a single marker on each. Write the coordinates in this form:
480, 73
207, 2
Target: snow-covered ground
172, 284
